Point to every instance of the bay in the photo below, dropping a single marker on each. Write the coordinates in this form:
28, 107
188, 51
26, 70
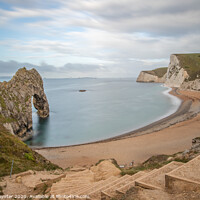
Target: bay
108, 107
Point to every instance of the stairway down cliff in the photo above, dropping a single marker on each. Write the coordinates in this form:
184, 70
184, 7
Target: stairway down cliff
16, 101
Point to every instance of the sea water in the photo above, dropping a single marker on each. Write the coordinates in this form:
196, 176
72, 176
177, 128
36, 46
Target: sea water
108, 108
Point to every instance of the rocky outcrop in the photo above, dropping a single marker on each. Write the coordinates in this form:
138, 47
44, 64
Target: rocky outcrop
145, 76
183, 71
16, 98
191, 85
104, 170
157, 75
176, 75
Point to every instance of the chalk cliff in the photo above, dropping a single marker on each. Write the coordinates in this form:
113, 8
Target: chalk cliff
176, 75
149, 78
156, 75
16, 97
184, 71
191, 85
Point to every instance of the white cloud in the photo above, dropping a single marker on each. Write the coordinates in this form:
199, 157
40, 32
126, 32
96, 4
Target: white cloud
117, 37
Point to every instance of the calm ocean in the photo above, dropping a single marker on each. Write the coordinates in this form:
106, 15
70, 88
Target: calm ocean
108, 108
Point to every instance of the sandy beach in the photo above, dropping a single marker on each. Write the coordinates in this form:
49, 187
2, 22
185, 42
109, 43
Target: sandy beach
166, 136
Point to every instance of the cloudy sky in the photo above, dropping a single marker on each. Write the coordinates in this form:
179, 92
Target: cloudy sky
95, 38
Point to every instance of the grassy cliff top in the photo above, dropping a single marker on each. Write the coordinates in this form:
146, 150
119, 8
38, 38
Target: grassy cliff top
160, 72
191, 63
11, 148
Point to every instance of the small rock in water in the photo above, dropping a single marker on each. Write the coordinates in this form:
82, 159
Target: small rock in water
82, 90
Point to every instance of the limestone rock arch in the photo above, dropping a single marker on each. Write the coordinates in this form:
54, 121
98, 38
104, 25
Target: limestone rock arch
15, 101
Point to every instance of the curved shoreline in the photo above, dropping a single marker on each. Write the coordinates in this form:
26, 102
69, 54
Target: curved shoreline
182, 113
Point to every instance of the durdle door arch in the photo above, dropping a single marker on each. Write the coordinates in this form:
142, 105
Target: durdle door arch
16, 101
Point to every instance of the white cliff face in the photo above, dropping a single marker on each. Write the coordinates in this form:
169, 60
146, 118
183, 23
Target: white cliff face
175, 74
178, 77
191, 85
148, 78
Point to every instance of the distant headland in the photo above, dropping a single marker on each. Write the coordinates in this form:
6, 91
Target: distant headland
183, 71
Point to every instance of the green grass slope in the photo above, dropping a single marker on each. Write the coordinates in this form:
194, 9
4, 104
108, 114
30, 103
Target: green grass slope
160, 72
191, 63
11, 148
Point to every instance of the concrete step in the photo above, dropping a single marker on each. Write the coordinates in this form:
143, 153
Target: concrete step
126, 187
70, 189
73, 186
96, 193
186, 177
96, 185
73, 182
79, 190
110, 192
156, 179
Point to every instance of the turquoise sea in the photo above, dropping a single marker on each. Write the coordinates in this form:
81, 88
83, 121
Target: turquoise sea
108, 108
